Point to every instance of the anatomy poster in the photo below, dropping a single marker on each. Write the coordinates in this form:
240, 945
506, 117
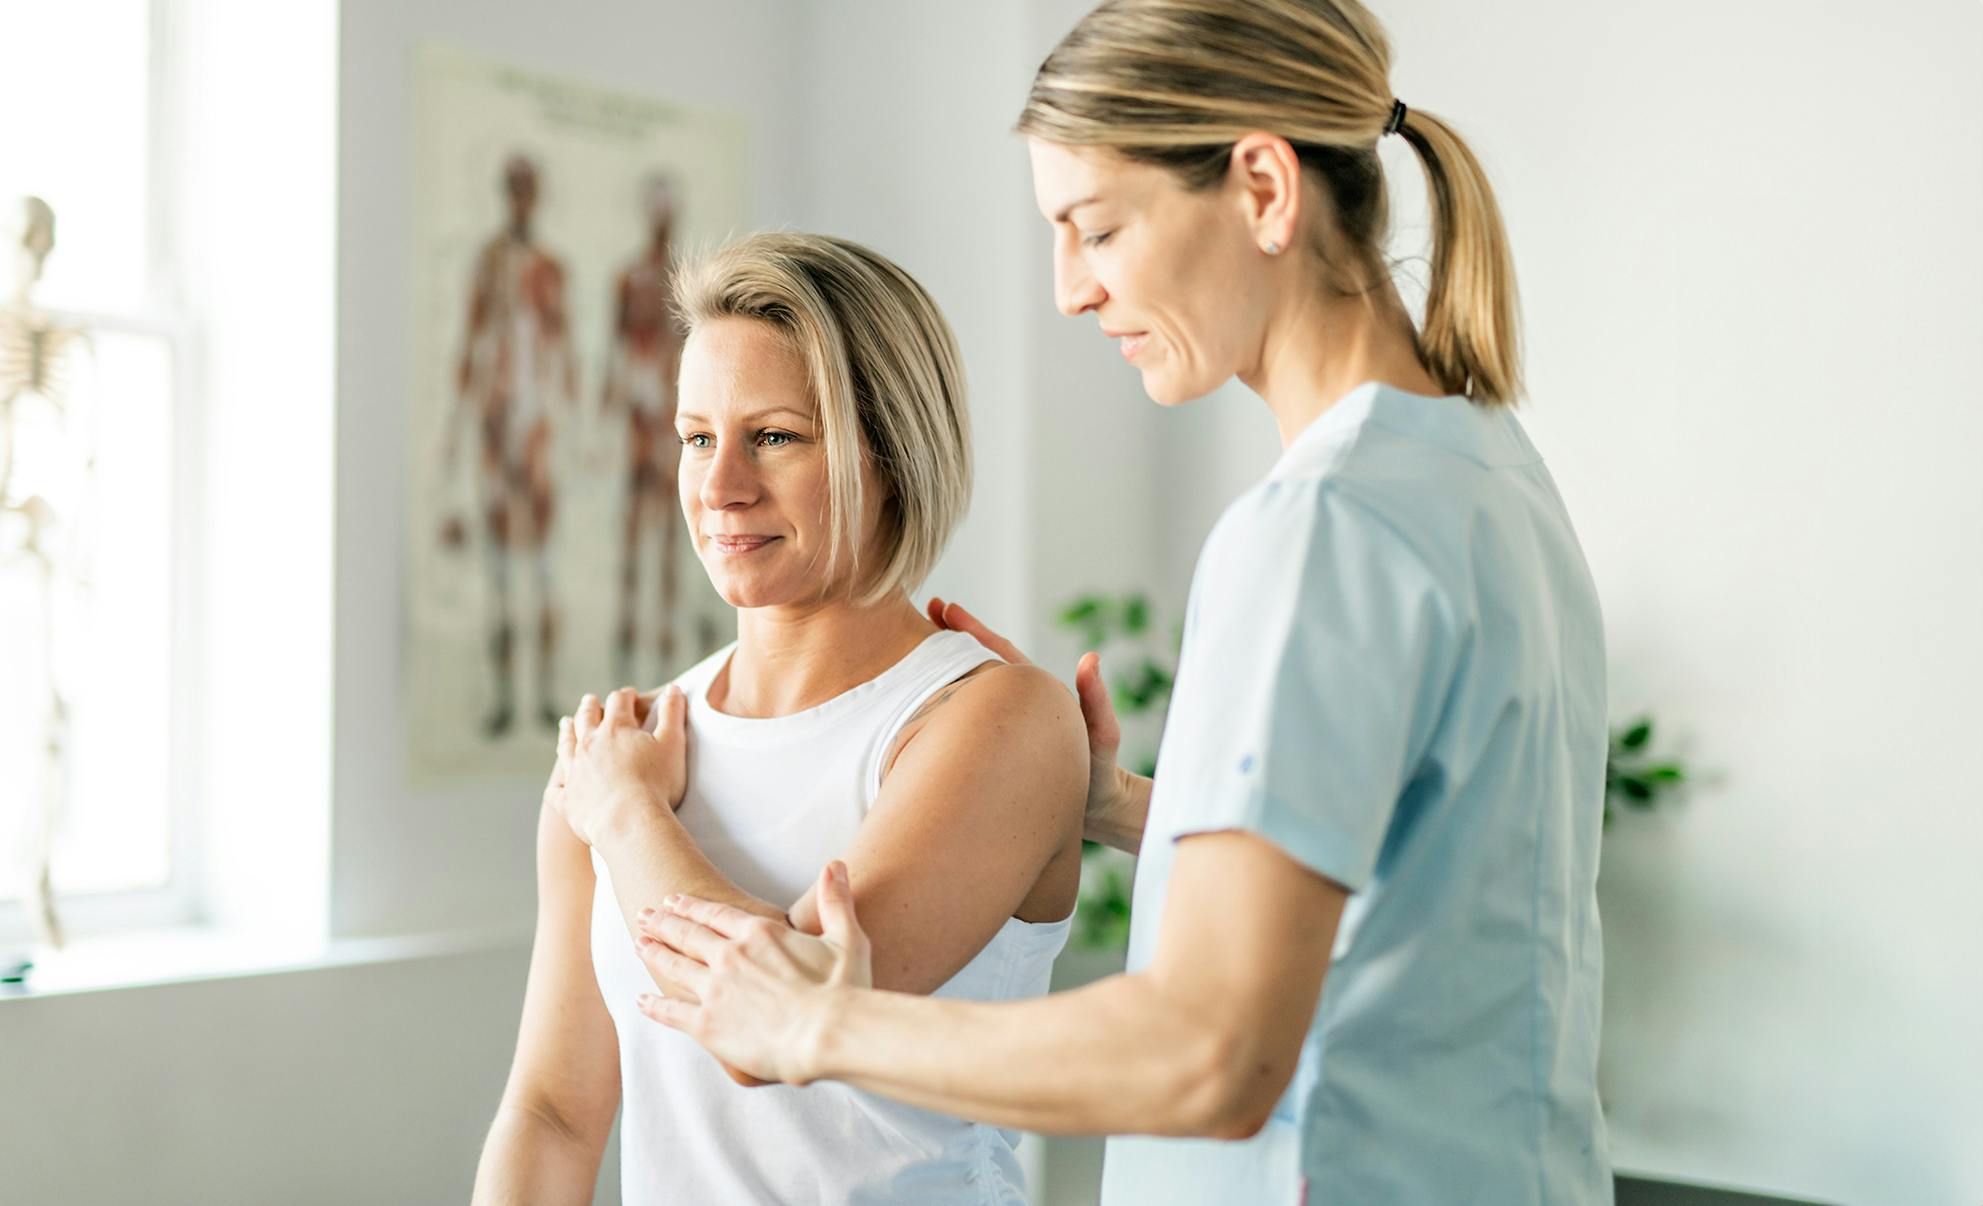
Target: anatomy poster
545, 550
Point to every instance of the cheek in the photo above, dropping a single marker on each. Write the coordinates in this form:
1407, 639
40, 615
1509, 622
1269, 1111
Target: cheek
1200, 291
688, 488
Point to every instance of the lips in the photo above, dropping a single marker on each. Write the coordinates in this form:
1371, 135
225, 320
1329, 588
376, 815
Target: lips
1132, 341
738, 545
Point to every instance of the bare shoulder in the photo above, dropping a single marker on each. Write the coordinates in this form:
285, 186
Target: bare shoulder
1019, 695
1003, 710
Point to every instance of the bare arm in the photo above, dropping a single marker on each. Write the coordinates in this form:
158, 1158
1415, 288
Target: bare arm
622, 786
564, 1087
1118, 800
1202, 1043
979, 815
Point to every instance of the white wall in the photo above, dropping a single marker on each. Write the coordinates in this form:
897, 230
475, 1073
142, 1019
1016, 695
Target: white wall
1749, 244
370, 1083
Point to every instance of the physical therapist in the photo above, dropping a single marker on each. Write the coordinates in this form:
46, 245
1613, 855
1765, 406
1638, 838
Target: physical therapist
1365, 963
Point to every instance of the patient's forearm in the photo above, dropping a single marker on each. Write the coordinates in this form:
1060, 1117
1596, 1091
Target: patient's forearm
650, 856
528, 1161
1120, 824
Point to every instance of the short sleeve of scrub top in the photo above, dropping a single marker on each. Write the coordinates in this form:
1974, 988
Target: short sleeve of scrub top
1319, 651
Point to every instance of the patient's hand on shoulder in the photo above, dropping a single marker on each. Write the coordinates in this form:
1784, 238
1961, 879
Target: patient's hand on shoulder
610, 764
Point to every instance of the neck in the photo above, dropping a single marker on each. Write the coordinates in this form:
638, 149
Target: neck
1317, 348
791, 658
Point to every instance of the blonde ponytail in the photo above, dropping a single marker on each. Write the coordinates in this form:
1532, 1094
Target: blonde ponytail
1471, 342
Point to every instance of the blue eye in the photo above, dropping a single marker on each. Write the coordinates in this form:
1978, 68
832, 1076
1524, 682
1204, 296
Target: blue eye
782, 437
692, 440
1096, 240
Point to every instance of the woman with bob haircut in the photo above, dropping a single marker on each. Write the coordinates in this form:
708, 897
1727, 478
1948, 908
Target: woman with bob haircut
825, 460
1365, 947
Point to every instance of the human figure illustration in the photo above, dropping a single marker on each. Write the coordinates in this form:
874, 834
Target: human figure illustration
44, 474
516, 369
643, 356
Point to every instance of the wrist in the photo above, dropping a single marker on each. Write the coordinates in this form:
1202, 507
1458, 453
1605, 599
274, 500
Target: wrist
629, 814
820, 1053
1118, 821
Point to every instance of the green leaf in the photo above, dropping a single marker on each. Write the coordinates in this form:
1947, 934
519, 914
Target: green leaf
1637, 735
1666, 772
1081, 611
1104, 913
1135, 614
1635, 788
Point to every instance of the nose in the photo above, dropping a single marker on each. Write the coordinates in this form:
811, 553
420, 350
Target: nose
729, 476
1075, 289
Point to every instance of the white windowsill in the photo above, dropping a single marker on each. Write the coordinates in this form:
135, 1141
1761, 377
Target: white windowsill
172, 956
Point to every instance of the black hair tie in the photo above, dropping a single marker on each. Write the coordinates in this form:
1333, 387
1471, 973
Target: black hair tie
1397, 121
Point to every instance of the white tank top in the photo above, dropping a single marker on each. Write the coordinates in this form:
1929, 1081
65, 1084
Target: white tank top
770, 802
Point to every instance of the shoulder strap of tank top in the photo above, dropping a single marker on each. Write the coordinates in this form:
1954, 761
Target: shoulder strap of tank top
950, 656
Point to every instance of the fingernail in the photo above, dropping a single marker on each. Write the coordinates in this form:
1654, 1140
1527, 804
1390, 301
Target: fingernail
647, 912
671, 900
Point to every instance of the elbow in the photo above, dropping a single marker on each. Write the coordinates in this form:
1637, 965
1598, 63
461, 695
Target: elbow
573, 1124
1242, 1124
1230, 1090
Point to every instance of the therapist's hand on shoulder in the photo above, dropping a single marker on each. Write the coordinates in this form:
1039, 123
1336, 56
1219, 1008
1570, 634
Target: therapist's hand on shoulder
1113, 793
765, 992
609, 763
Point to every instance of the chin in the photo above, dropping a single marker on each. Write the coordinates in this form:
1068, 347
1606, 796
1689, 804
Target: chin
744, 591
1167, 389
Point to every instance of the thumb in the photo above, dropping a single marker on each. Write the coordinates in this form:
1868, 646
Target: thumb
1104, 732
677, 715
837, 922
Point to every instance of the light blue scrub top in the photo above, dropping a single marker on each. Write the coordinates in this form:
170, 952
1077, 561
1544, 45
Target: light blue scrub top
1393, 669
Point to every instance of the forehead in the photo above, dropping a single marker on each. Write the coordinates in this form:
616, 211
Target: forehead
740, 362
1063, 176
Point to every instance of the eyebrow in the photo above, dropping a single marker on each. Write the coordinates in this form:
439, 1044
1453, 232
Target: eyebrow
692, 417
1071, 206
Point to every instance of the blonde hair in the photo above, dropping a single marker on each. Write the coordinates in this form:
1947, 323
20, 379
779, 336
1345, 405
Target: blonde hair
1177, 82
886, 381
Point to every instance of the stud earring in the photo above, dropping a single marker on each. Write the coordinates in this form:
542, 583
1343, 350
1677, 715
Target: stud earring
1271, 247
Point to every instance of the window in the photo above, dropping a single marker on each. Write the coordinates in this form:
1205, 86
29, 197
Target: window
77, 91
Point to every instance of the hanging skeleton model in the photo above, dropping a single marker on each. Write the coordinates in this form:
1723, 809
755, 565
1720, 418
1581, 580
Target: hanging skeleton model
36, 364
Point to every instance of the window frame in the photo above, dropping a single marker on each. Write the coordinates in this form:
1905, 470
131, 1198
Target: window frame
162, 315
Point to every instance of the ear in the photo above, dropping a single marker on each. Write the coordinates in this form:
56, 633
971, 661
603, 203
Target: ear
1265, 176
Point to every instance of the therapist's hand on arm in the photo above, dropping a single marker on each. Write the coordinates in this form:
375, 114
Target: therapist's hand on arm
1118, 800
1201, 1043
